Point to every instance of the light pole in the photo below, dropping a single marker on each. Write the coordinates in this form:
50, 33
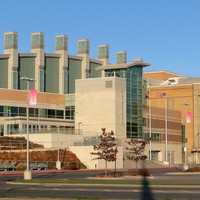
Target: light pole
58, 162
150, 129
185, 166
9, 127
166, 130
27, 172
198, 134
166, 127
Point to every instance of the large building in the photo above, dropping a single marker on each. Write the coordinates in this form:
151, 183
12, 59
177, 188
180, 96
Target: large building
56, 73
177, 92
77, 96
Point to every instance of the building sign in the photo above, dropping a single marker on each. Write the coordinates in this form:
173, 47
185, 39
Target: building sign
32, 97
188, 117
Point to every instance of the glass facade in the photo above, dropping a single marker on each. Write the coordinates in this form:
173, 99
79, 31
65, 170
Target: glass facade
15, 79
134, 92
12, 111
4, 73
42, 80
66, 81
74, 73
52, 74
26, 69
94, 71
69, 112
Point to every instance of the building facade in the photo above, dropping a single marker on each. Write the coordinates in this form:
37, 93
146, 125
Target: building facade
133, 74
56, 73
77, 96
182, 94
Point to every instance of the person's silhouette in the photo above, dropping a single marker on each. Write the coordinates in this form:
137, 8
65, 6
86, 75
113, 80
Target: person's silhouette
146, 193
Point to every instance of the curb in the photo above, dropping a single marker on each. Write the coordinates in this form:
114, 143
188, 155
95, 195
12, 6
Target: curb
182, 173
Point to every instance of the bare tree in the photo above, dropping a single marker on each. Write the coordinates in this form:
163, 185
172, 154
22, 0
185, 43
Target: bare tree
107, 148
135, 150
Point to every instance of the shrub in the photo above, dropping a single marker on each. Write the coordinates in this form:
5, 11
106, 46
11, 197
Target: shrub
51, 165
21, 166
194, 169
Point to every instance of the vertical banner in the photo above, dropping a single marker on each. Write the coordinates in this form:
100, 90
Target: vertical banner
32, 97
188, 117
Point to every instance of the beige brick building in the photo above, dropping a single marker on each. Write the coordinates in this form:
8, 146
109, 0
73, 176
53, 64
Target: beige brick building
182, 94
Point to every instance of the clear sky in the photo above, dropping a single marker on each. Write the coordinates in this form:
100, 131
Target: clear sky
165, 33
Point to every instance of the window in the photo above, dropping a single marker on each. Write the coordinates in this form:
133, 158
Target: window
59, 114
33, 112
51, 113
22, 111
43, 113
1, 111
155, 155
14, 111
154, 136
69, 112
15, 79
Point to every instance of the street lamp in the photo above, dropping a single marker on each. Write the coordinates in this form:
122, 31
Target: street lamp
198, 133
166, 127
185, 166
58, 162
150, 127
27, 172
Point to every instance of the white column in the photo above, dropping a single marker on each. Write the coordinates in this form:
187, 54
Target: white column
11, 48
83, 51
61, 49
103, 56
37, 47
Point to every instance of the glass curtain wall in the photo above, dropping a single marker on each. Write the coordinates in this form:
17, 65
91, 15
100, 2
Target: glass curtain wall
134, 92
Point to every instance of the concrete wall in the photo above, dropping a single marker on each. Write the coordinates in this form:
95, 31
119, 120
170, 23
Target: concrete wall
175, 148
84, 154
53, 140
101, 103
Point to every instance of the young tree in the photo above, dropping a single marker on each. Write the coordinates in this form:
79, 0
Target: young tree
135, 150
107, 148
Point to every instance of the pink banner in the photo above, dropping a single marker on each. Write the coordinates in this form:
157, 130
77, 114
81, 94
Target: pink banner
32, 97
188, 117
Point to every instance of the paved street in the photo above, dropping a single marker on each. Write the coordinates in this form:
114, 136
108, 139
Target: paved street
103, 192
137, 192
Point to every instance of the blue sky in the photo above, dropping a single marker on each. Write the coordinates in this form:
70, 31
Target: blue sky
165, 33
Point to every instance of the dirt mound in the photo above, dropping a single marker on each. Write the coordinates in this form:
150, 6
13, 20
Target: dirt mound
68, 159
15, 143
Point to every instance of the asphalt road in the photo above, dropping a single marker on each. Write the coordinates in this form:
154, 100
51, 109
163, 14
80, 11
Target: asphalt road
94, 192
144, 192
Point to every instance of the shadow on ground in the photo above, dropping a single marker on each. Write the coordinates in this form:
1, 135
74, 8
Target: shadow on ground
146, 193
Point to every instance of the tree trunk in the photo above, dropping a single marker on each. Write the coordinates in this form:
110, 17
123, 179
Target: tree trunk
115, 167
136, 162
106, 168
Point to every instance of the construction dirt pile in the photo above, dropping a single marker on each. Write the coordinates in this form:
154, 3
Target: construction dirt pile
68, 159
15, 143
